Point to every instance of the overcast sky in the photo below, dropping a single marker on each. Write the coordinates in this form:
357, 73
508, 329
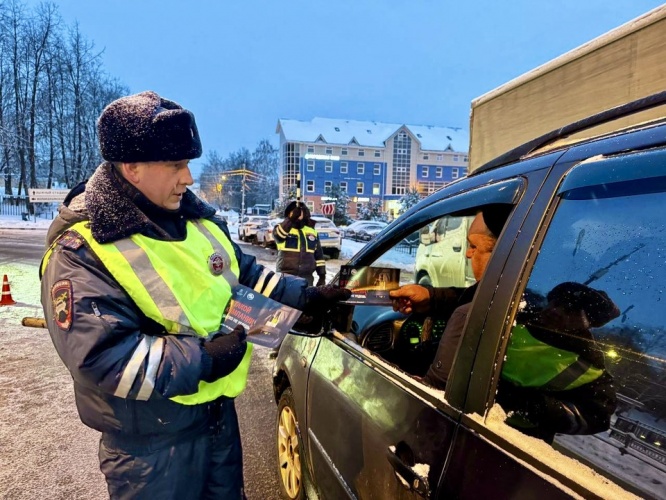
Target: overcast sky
241, 65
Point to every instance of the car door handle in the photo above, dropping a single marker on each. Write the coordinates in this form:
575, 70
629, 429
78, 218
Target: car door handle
457, 249
410, 478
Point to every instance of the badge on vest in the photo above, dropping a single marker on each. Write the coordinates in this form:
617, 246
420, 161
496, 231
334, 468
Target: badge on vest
216, 264
311, 237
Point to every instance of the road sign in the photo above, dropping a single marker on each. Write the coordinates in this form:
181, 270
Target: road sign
47, 195
328, 208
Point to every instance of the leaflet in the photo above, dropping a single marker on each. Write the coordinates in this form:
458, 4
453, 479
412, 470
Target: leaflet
369, 285
266, 321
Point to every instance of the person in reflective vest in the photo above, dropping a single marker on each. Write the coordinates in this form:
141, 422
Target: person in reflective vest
554, 378
299, 249
135, 281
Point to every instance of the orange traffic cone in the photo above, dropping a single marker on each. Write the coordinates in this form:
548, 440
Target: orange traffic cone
6, 299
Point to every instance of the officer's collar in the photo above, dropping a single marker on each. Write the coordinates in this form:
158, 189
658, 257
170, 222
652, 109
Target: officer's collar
112, 205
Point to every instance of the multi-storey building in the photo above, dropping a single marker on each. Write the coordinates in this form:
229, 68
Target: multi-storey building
370, 160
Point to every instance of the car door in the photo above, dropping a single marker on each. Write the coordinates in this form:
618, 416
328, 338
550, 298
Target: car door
374, 429
604, 232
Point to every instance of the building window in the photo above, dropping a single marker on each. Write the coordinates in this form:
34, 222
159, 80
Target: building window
465, 158
400, 170
378, 153
360, 168
456, 158
328, 185
376, 188
311, 165
359, 207
328, 167
310, 205
329, 151
359, 188
310, 186
310, 149
438, 172
343, 167
343, 186
344, 152
454, 173
425, 157
361, 152
377, 169
424, 172
440, 157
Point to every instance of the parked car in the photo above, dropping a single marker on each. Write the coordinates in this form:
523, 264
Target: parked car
351, 231
329, 236
264, 236
355, 419
440, 255
247, 229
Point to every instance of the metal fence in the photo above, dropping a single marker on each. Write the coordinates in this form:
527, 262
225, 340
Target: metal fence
21, 206
15, 205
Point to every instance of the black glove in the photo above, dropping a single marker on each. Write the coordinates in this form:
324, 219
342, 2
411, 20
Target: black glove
295, 214
317, 296
226, 352
322, 280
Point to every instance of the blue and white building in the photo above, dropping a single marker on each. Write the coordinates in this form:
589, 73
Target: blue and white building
370, 160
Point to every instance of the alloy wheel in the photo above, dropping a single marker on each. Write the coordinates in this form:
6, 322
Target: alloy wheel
289, 453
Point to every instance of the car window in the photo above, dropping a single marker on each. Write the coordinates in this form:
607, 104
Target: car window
585, 366
410, 342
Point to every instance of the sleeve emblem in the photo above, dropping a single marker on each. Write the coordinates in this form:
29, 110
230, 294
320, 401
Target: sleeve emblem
61, 296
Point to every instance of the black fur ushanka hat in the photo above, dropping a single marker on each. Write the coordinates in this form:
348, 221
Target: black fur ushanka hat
145, 127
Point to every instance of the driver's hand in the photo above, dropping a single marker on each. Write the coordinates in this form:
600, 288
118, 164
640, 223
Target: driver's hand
411, 298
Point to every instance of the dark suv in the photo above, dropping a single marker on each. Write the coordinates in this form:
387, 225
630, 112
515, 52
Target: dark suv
355, 420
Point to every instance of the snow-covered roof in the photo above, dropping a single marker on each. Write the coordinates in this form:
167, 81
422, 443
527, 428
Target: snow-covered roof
371, 134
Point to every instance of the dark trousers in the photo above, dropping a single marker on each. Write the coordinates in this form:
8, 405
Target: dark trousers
209, 465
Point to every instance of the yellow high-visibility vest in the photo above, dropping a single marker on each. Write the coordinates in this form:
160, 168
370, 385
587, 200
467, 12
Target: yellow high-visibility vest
153, 273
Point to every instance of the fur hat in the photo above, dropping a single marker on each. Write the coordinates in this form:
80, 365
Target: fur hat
596, 304
146, 127
304, 209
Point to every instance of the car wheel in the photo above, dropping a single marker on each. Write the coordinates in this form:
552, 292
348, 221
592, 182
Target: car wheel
424, 279
292, 469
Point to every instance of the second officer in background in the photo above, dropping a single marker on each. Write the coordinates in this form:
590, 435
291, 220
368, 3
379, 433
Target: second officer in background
299, 249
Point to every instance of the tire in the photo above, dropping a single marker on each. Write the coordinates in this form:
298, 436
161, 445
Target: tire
291, 464
424, 279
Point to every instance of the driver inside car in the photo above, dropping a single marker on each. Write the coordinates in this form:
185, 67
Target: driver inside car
451, 301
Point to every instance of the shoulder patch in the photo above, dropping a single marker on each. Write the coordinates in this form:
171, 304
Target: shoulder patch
61, 296
70, 239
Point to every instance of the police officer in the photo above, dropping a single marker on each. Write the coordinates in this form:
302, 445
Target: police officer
299, 249
135, 282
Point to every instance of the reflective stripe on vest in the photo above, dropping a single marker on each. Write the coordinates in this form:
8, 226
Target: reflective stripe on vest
532, 363
152, 272
307, 230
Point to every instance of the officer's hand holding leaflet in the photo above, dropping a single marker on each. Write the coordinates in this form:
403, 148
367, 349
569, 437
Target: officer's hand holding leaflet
225, 352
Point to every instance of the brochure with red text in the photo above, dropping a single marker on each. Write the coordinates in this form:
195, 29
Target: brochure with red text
266, 321
369, 285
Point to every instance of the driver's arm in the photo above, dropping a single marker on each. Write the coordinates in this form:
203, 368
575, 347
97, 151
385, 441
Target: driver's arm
438, 373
